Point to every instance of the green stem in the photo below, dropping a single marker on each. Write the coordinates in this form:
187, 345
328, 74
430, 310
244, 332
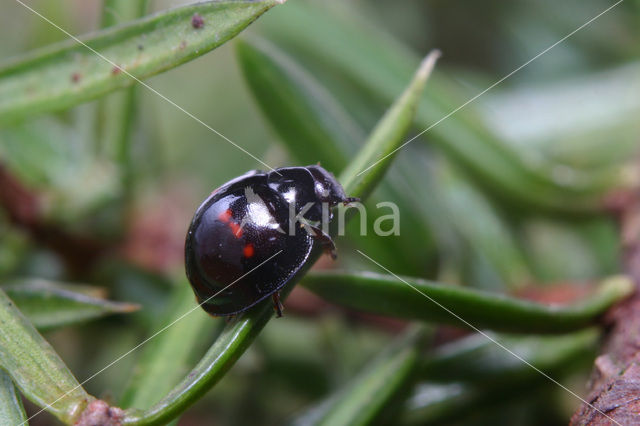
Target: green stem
226, 350
163, 362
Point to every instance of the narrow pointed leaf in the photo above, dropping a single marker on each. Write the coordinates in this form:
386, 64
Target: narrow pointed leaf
66, 74
311, 124
372, 393
11, 409
366, 170
35, 367
479, 360
418, 300
485, 377
435, 404
48, 305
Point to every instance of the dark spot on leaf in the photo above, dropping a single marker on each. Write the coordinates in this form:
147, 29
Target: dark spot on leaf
197, 21
183, 44
140, 47
75, 77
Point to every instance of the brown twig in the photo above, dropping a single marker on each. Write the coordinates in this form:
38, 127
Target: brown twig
615, 380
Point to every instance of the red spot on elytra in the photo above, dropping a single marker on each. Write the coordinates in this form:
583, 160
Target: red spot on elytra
116, 70
225, 216
236, 229
248, 250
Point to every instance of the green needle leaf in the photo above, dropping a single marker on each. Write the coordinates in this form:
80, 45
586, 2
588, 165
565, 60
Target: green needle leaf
35, 368
366, 170
11, 409
48, 305
387, 295
375, 391
66, 74
479, 360
308, 120
479, 375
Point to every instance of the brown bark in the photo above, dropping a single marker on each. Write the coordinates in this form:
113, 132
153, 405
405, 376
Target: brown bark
615, 380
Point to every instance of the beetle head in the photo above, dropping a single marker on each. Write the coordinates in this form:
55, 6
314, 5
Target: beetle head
326, 186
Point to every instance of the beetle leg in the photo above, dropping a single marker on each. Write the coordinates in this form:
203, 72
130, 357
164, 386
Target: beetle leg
350, 200
277, 305
325, 240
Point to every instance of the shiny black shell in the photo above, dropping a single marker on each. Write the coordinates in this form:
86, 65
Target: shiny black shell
245, 222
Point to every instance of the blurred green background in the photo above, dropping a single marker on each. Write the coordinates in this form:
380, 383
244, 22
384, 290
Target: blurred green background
570, 116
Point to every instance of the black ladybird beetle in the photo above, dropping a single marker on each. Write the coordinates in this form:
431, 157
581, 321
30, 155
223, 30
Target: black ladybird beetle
245, 225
